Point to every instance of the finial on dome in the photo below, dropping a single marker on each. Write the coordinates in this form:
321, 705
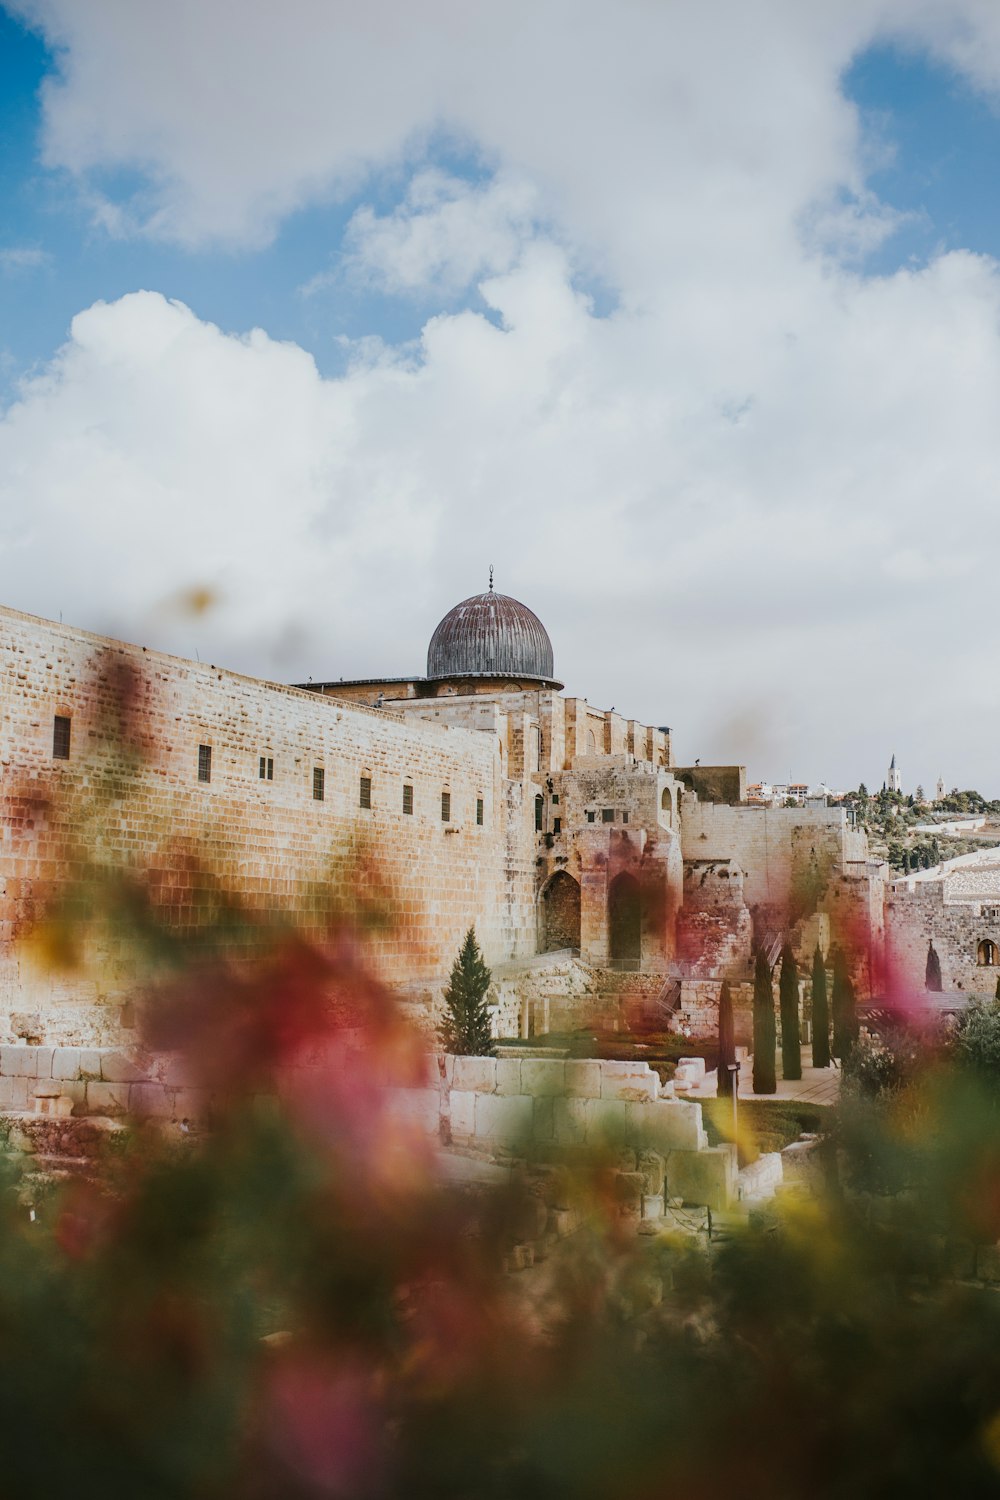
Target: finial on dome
491, 578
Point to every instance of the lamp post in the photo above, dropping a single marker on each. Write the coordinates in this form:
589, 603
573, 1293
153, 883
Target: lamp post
734, 1069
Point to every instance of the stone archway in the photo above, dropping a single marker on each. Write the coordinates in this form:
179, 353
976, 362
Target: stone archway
560, 913
625, 922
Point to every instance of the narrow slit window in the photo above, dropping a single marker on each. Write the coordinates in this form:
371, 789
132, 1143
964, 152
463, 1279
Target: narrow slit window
319, 784
366, 791
265, 768
624, 817
479, 811
445, 807
557, 825
407, 798
204, 762
591, 816
555, 799
539, 808
60, 737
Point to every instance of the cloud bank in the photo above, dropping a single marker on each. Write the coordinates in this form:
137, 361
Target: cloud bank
755, 500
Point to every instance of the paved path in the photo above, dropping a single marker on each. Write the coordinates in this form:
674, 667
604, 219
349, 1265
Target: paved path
816, 1086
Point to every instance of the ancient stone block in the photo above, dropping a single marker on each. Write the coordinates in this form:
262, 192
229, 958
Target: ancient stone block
504, 1122
476, 1073
569, 1118
118, 1067
66, 1063
650, 1164
543, 1076
543, 1119
419, 1108
13, 1093
707, 1177
463, 1113
151, 1100
508, 1075
17, 1062
606, 1119
106, 1098
628, 1193
583, 1079
668, 1124
631, 1082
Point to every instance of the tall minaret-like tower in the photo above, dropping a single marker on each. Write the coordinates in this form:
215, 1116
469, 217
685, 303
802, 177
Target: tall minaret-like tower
939, 793
895, 781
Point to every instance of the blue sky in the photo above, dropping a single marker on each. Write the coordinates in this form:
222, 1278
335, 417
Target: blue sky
685, 317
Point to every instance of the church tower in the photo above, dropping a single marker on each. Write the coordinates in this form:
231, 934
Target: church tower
939, 792
895, 781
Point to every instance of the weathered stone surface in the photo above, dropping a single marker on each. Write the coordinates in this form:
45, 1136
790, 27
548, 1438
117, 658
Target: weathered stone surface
504, 1122
463, 1113
543, 1119
419, 1108
66, 1062
650, 1164
652, 1205
583, 1079
13, 1093
118, 1067
478, 1074
151, 1100
569, 1118
606, 1119
668, 1124
541, 1076
988, 1262
508, 1075
630, 1082
107, 1098
628, 1192
18, 1062
707, 1177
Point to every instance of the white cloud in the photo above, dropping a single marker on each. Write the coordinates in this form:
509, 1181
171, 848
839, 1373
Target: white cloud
17, 258
723, 498
445, 235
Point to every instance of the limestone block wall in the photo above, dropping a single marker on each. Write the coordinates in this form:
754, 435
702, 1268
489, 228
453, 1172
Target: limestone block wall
510, 1107
921, 915
129, 795
775, 847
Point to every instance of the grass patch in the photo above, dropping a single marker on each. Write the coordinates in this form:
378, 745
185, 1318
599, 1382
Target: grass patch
764, 1125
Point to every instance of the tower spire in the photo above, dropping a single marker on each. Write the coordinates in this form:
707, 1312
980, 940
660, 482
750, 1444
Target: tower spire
491, 578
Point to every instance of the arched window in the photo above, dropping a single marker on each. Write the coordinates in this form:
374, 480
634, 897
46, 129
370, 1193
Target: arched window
591, 742
539, 810
667, 804
986, 954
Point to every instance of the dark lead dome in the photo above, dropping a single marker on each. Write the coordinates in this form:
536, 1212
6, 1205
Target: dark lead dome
490, 635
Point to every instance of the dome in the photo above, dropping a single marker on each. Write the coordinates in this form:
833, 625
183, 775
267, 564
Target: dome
490, 635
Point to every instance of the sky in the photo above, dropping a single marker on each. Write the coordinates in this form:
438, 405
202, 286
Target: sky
686, 317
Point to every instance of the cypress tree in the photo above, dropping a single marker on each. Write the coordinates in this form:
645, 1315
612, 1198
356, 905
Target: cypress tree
998, 989
763, 1027
821, 1013
465, 1029
932, 973
788, 997
845, 1020
727, 1043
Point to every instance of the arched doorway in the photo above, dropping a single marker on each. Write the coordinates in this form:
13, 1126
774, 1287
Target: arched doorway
560, 914
986, 955
624, 922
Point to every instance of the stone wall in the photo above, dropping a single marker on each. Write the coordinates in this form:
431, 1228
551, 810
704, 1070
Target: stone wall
129, 796
921, 915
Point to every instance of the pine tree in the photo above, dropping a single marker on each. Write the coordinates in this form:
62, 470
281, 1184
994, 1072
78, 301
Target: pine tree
845, 1019
763, 1027
821, 1013
465, 1030
788, 993
727, 1043
932, 973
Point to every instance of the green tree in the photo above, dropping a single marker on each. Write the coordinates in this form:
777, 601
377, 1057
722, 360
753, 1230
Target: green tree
788, 998
845, 1018
727, 1043
465, 1030
764, 1081
820, 1013
932, 972
978, 1040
